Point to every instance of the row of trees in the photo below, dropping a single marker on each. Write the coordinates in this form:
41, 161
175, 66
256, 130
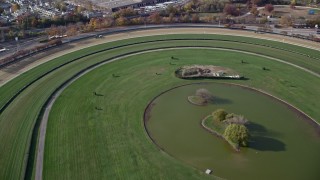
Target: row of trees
28, 20
156, 18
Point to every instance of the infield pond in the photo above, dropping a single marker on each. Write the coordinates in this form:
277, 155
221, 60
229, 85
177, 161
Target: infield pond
283, 144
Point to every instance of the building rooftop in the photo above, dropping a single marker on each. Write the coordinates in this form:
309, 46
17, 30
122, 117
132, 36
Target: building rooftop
116, 3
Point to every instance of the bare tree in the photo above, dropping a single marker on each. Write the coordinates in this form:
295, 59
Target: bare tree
205, 94
237, 120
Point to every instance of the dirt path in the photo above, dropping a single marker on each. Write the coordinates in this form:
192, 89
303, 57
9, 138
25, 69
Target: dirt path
12, 71
44, 119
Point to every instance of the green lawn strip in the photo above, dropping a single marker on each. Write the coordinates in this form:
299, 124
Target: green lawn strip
30, 172
261, 42
86, 143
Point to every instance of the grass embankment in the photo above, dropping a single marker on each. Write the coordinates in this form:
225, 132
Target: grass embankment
18, 119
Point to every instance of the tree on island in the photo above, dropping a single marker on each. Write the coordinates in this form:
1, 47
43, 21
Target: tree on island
219, 115
204, 94
202, 97
238, 134
235, 119
230, 126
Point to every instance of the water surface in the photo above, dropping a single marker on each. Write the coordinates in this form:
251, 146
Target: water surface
283, 144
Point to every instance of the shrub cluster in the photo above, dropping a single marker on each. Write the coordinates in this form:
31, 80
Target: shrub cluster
235, 132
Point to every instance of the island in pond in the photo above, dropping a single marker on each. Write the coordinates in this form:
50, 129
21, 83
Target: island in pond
231, 127
201, 98
207, 71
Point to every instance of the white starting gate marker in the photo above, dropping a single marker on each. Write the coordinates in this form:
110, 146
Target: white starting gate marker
208, 171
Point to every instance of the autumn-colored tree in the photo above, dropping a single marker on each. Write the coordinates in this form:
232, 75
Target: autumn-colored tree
61, 30
126, 12
15, 7
88, 5
21, 34
171, 10
155, 18
11, 34
34, 21
185, 18
195, 18
139, 20
63, 7
209, 18
171, 18
285, 20
188, 7
269, 7
80, 26
231, 9
52, 31
72, 30
79, 9
254, 11
97, 23
122, 21
106, 22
